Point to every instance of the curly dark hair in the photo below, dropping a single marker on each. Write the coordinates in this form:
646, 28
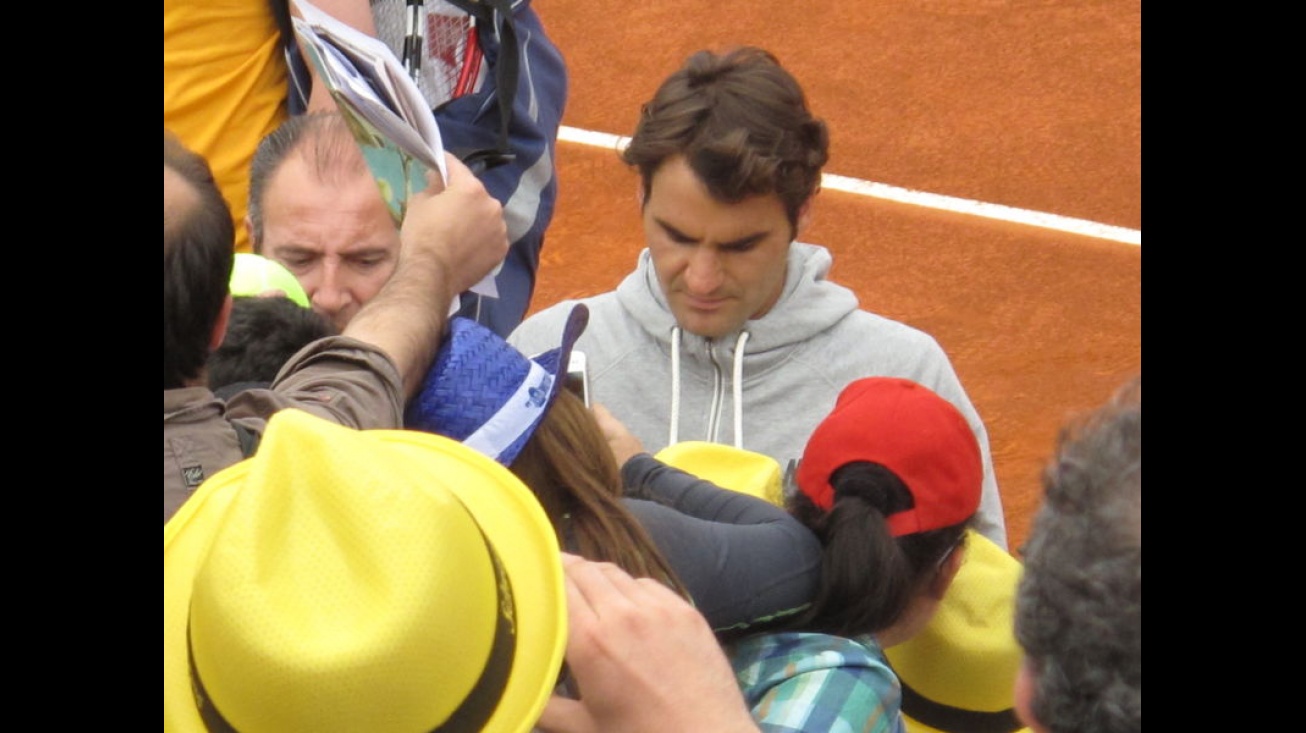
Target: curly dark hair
1079, 609
262, 334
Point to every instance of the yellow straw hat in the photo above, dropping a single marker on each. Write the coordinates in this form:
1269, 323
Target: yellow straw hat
959, 673
729, 467
345, 580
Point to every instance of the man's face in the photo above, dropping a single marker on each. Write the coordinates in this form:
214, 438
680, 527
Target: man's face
337, 238
718, 264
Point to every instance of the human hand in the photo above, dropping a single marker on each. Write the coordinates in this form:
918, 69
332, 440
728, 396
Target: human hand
623, 443
642, 658
461, 226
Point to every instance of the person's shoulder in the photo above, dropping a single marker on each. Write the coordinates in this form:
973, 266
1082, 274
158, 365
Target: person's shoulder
541, 323
870, 329
804, 651
800, 674
545, 325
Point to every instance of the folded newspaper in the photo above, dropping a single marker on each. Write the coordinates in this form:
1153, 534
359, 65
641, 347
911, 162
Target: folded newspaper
382, 105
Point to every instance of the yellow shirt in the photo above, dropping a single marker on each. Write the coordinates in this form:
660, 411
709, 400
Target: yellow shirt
224, 87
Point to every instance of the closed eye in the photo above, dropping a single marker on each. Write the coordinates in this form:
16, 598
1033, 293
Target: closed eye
742, 245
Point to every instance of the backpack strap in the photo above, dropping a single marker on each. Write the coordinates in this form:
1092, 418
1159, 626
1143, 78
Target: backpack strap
496, 16
298, 79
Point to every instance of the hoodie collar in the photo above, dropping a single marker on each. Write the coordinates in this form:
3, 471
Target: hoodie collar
808, 305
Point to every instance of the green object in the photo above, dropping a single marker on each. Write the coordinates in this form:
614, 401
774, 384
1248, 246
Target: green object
255, 274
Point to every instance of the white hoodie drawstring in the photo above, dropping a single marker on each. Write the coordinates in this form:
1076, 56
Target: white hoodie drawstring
737, 388
736, 384
674, 433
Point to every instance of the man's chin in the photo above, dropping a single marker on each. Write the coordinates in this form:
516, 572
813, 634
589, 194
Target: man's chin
706, 326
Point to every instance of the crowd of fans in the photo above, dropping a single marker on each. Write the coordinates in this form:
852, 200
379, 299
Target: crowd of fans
382, 513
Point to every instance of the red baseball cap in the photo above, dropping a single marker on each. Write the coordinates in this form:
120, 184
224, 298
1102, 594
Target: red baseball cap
913, 432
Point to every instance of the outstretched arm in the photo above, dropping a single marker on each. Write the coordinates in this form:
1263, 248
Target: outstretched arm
742, 559
448, 242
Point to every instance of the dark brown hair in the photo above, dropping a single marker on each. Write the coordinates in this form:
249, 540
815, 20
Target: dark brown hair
741, 122
569, 466
868, 576
199, 241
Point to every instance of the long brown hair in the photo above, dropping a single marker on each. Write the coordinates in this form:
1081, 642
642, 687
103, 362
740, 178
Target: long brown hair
569, 466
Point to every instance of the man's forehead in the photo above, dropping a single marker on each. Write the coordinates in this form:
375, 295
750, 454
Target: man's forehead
300, 174
685, 206
297, 199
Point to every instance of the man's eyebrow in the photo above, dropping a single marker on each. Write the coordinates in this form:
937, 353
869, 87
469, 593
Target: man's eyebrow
290, 249
740, 243
674, 232
366, 250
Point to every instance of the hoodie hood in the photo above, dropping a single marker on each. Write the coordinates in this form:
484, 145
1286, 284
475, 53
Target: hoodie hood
808, 305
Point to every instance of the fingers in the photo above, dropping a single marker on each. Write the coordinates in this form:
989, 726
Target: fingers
462, 227
596, 592
456, 171
621, 441
579, 610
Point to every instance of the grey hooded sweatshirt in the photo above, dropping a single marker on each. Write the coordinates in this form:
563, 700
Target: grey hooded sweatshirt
763, 388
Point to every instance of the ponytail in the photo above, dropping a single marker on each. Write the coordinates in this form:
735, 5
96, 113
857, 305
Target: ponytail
868, 576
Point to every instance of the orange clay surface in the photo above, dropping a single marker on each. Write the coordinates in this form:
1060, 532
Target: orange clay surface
1034, 104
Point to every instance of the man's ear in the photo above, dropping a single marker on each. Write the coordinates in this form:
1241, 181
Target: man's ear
804, 215
1024, 694
640, 193
220, 327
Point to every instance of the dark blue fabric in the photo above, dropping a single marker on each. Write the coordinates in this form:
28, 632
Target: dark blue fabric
472, 122
743, 560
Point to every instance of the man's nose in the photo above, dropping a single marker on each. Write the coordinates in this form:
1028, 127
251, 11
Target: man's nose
703, 272
331, 294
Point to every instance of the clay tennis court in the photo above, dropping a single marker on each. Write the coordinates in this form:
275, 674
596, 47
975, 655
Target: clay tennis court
997, 144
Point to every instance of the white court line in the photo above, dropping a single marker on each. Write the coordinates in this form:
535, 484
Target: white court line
916, 198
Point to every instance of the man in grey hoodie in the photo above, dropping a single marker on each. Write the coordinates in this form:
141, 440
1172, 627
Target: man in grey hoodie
728, 330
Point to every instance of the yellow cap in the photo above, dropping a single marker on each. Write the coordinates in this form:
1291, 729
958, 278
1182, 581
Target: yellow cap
729, 467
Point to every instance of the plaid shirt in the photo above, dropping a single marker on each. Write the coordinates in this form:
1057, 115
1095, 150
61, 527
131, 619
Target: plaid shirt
798, 682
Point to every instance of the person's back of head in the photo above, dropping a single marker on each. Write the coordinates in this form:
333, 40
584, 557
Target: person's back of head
958, 672
889, 482
569, 466
742, 123
322, 139
1079, 613
262, 334
198, 251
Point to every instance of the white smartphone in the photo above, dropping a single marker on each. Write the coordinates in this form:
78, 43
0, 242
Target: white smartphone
578, 379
